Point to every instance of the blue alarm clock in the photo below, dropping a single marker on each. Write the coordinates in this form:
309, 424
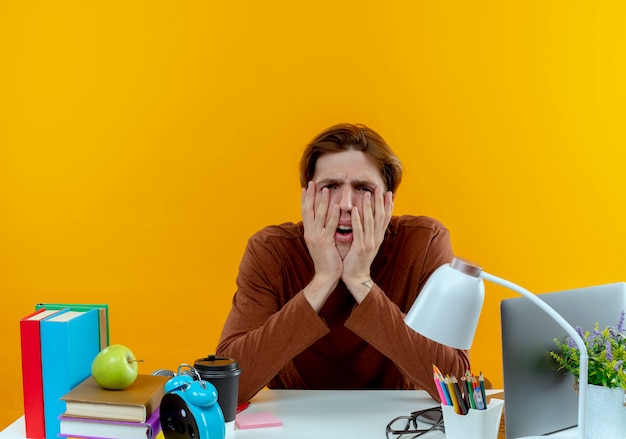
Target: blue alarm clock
189, 409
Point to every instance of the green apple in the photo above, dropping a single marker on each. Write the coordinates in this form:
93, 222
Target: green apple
115, 367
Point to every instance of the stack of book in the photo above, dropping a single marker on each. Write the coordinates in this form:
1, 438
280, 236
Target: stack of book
58, 344
130, 413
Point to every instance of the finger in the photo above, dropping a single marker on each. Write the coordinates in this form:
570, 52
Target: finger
322, 208
357, 226
367, 218
389, 198
379, 206
333, 219
387, 213
308, 200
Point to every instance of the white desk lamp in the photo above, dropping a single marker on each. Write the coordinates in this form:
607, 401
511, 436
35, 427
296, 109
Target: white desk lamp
448, 307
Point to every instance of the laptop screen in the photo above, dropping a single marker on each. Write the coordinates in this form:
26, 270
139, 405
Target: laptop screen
539, 400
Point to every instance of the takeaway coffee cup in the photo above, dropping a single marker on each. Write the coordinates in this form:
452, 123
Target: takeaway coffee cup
223, 373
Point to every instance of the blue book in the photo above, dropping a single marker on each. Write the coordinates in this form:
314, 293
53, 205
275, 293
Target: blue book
104, 315
70, 341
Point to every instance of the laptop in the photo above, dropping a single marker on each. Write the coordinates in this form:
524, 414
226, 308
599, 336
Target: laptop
539, 400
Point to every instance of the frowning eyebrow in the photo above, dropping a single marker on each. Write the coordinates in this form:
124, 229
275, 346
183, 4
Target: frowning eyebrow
339, 181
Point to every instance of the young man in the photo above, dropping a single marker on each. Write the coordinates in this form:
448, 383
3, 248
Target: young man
320, 304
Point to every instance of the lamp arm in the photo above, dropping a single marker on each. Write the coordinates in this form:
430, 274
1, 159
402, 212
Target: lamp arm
584, 358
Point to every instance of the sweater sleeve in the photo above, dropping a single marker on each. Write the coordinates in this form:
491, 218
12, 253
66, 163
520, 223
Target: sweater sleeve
380, 321
261, 332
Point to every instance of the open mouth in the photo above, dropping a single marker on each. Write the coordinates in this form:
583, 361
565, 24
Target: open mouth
344, 230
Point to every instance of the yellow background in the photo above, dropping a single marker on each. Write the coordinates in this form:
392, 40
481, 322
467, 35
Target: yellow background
143, 142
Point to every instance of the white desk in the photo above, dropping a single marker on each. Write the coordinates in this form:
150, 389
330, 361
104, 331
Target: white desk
318, 414
333, 414
325, 414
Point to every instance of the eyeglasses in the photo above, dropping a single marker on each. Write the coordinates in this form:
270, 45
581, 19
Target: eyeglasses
419, 423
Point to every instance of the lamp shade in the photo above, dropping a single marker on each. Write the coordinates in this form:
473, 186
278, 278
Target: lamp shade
448, 307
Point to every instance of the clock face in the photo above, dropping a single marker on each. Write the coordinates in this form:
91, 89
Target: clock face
177, 419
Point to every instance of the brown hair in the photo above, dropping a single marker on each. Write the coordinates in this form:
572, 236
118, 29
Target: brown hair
345, 137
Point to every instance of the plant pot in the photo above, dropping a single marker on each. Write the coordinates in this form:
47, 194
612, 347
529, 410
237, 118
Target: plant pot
606, 413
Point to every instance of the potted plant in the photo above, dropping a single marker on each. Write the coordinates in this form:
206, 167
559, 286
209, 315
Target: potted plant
606, 391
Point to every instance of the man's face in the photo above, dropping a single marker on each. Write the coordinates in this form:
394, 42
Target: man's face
348, 176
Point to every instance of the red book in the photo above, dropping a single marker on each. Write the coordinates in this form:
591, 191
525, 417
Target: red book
32, 383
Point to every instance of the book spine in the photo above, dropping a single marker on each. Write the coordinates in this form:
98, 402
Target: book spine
67, 351
152, 428
154, 422
32, 382
103, 327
